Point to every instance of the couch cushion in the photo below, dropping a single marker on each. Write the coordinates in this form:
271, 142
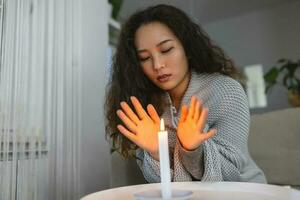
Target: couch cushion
274, 143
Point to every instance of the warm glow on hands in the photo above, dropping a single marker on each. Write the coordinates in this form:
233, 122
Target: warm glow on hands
191, 125
141, 128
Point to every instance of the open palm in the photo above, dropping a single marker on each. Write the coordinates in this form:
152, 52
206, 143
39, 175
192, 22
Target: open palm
141, 128
191, 124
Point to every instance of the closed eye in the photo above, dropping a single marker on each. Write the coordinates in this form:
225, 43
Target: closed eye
144, 59
167, 50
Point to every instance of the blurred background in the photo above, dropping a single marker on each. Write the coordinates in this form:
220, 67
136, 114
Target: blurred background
255, 34
55, 63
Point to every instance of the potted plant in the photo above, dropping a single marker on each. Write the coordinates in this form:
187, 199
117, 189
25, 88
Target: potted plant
116, 6
286, 72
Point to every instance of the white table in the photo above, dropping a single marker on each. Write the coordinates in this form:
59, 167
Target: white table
206, 191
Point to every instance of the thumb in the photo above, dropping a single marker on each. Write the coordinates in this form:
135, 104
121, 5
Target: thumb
209, 134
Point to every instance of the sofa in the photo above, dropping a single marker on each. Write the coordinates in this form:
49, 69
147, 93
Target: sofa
274, 144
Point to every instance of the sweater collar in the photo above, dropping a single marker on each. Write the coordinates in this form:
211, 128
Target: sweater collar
191, 89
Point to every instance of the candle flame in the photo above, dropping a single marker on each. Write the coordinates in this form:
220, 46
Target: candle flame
162, 125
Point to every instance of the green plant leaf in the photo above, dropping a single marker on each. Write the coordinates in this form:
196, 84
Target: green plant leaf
116, 6
286, 71
298, 85
271, 78
292, 68
271, 75
285, 80
284, 66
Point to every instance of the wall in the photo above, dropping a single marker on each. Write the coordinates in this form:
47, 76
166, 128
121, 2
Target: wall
263, 36
94, 150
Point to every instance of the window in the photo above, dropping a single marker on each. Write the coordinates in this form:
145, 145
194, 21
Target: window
255, 86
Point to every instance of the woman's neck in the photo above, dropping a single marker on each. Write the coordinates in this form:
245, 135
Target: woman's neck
177, 93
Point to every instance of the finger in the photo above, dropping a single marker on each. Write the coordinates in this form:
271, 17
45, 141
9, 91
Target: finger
138, 108
153, 114
131, 136
128, 123
192, 107
129, 112
184, 111
209, 134
202, 119
197, 111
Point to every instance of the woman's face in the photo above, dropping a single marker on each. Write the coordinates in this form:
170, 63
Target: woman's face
162, 57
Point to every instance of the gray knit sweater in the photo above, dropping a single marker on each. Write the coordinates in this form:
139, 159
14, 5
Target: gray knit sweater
225, 156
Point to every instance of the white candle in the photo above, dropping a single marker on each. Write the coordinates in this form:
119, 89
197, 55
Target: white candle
164, 161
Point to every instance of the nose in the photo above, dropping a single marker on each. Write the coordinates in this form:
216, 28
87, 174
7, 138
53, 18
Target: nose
158, 62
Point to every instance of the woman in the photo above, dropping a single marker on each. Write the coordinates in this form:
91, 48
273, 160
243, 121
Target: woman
166, 67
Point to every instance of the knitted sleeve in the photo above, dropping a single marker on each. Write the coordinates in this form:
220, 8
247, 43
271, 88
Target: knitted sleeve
149, 166
225, 155
193, 161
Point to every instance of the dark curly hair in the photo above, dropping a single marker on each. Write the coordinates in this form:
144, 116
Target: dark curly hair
128, 78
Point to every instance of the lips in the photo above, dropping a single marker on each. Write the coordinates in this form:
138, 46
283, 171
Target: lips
163, 78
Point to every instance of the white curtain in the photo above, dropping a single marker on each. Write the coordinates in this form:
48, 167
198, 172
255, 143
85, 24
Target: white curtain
40, 99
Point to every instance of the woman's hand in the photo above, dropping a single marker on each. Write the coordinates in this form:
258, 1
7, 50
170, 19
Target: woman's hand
191, 125
142, 128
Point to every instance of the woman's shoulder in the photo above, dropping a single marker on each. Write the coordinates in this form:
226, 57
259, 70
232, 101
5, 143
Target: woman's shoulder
218, 85
219, 82
224, 92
